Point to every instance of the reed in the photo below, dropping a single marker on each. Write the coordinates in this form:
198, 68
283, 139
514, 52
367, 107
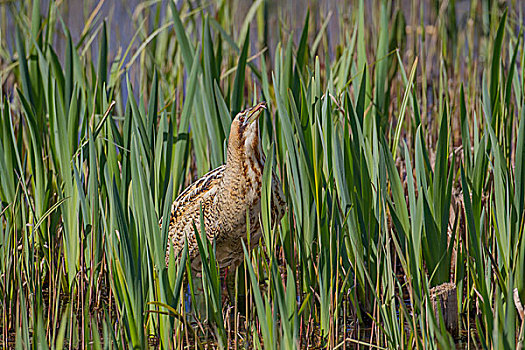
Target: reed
398, 136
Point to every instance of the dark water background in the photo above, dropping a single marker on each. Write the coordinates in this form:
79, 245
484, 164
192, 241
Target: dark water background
287, 16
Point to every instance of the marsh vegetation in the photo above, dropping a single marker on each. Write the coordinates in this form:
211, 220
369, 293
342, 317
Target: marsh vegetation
396, 128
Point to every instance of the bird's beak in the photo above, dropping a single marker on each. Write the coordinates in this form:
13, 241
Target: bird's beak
254, 113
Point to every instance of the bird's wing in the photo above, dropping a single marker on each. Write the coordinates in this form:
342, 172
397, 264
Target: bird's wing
278, 200
185, 210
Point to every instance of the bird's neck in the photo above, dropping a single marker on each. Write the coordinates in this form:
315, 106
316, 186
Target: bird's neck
244, 172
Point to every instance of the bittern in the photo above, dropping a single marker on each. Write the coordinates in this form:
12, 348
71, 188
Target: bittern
226, 194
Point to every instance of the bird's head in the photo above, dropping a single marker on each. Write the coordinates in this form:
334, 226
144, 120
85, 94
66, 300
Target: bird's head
244, 133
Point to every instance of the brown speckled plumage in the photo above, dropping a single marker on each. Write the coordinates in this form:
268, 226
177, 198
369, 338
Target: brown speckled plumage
225, 194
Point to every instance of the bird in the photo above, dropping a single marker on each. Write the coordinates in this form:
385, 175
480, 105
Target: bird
225, 195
